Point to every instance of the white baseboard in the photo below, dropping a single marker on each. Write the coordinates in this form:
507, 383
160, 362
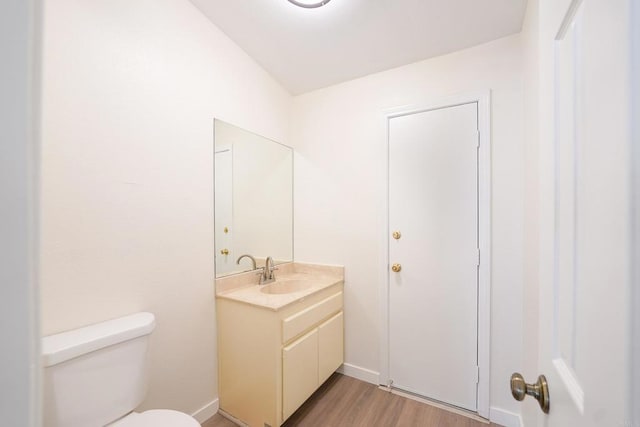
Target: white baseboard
207, 411
449, 408
504, 418
363, 374
231, 418
496, 415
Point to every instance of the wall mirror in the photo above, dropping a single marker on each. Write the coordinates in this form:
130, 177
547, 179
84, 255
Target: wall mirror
253, 203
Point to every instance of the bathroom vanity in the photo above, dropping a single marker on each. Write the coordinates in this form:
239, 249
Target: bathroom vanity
277, 343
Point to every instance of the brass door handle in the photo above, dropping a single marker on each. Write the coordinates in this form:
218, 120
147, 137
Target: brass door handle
539, 390
224, 251
396, 268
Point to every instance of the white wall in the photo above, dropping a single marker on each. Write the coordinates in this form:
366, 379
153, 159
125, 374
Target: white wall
19, 73
129, 95
339, 137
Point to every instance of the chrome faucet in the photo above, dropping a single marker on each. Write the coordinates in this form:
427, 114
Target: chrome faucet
268, 275
253, 260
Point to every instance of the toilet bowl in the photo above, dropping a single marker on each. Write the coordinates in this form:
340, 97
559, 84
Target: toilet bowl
97, 376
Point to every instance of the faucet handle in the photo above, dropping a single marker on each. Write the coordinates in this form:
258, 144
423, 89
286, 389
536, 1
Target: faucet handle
271, 275
261, 272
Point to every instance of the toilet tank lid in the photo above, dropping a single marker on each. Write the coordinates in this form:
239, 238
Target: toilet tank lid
61, 347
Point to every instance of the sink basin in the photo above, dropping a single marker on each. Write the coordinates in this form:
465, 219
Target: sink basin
286, 287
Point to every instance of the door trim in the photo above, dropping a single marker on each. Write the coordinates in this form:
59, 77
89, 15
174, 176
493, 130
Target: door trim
483, 99
635, 217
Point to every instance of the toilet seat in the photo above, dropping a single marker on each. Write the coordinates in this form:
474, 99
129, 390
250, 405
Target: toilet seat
156, 418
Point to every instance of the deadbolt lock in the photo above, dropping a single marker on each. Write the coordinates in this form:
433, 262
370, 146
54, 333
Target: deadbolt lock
396, 268
224, 251
540, 390
396, 235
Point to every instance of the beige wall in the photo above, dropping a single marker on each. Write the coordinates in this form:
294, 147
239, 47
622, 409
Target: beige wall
339, 137
130, 92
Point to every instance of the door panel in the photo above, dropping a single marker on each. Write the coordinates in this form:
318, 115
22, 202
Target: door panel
433, 202
585, 221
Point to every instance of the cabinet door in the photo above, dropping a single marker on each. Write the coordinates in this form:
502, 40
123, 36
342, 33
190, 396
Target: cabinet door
331, 342
299, 372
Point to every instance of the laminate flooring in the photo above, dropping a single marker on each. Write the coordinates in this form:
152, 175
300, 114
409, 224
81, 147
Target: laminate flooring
347, 402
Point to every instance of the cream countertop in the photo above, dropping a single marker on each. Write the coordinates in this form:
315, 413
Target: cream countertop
244, 287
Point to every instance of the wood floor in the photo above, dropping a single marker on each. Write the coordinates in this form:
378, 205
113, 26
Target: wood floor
347, 402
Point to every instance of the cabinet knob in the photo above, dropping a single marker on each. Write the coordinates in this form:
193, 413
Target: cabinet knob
224, 251
396, 268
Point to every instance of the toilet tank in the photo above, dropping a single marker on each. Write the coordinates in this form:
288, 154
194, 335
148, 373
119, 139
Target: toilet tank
96, 374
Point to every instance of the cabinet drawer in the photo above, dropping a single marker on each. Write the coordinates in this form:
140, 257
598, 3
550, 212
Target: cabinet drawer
294, 325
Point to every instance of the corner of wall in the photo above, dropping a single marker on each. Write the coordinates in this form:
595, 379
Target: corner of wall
207, 411
360, 373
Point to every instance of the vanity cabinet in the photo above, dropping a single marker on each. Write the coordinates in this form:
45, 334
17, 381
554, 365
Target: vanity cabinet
271, 361
331, 343
309, 361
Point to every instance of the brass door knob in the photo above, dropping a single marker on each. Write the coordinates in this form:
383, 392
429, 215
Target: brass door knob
396, 268
224, 251
396, 235
540, 390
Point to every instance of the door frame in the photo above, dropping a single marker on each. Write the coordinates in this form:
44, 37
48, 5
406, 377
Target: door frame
483, 99
221, 149
635, 207
20, 131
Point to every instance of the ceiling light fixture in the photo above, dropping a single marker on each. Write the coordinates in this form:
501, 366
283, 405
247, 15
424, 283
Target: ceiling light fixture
309, 4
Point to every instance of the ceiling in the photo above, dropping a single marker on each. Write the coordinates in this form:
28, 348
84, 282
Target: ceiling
306, 49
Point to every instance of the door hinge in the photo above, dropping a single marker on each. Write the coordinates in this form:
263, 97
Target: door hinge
477, 374
478, 139
478, 257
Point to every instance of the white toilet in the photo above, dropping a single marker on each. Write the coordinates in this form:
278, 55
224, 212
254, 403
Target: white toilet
95, 376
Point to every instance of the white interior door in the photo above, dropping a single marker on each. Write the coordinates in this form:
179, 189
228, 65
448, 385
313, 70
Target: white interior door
433, 203
585, 219
225, 256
